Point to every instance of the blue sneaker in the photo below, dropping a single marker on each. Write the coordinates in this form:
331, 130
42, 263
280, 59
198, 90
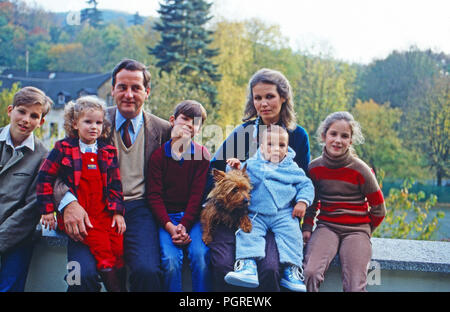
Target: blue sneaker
245, 274
293, 279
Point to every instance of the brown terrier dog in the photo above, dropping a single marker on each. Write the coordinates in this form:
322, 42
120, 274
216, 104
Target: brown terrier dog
227, 203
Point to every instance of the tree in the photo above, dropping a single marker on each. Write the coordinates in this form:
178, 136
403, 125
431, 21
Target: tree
67, 57
235, 60
266, 42
183, 48
429, 123
133, 44
6, 99
383, 149
167, 91
321, 88
92, 15
137, 19
407, 213
392, 79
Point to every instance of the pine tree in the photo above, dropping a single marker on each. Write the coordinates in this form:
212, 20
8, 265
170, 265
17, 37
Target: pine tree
137, 19
183, 48
92, 15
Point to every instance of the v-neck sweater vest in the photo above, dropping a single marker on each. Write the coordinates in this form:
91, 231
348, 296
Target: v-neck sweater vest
131, 164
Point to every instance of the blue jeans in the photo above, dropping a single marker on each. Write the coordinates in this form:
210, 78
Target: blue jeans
141, 253
141, 247
14, 267
172, 259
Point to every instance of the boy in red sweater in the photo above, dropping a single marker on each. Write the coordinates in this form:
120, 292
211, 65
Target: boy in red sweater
177, 177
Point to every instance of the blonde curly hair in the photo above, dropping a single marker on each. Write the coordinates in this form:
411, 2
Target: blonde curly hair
74, 110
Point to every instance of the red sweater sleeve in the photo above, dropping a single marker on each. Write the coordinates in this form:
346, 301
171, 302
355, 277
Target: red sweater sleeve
155, 187
197, 188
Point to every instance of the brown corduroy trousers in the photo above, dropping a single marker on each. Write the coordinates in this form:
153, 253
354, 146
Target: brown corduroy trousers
355, 252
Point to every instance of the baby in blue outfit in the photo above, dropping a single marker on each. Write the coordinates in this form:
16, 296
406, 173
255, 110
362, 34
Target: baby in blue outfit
281, 193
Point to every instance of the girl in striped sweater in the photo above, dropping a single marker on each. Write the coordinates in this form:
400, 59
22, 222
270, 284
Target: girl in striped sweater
350, 205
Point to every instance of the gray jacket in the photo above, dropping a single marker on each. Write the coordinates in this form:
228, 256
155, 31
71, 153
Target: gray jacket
18, 212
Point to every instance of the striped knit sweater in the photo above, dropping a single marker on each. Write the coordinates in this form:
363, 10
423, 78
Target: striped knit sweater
345, 189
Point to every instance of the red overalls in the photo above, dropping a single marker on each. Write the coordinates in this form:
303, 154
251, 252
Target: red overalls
105, 244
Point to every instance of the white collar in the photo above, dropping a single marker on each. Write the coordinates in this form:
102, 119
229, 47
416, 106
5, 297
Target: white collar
93, 147
5, 135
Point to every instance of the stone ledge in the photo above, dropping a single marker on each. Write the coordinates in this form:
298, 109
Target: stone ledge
391, 254
410, 255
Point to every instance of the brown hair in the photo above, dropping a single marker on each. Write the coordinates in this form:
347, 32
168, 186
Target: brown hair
28, 96
132, 65
74, 110
357, 136
270, 76
191, 109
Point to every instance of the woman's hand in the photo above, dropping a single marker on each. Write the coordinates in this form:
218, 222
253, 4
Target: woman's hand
120, 222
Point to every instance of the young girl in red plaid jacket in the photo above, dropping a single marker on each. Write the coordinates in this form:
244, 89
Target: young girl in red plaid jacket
89, 167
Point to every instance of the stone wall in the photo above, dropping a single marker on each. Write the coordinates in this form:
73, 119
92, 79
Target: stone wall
397, 265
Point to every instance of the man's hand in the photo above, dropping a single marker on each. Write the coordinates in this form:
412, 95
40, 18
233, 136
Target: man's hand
299, 210
75, 221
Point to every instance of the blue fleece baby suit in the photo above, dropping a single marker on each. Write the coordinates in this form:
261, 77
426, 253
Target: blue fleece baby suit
276, 189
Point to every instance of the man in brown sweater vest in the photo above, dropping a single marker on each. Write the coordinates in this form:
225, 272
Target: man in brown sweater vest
136, 134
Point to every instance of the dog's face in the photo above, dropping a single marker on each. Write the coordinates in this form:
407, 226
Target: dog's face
232, 189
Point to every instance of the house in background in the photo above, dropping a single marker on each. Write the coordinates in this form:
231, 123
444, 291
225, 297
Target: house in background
61, 87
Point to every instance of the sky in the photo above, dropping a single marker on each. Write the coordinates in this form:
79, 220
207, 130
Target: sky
349, 30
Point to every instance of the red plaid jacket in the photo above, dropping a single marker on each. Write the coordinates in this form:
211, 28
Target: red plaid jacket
64, 161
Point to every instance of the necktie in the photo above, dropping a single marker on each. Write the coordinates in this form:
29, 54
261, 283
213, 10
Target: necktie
126, 135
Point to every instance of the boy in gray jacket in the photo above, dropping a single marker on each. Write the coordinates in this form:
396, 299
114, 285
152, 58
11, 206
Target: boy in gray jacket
21, 154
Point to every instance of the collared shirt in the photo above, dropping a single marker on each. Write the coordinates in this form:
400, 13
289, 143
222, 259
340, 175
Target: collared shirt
136, 123
88, 148
5, 135
168, 152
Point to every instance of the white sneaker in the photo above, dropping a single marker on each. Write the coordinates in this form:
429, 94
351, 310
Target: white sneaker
245, 274
293, 278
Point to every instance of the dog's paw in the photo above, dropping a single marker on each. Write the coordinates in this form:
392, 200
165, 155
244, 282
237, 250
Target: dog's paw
246, 224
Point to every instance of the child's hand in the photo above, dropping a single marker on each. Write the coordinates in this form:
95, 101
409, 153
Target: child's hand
234, 163
182, 238
180, 132
299, 210
49, 220
120, 222
306, 237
